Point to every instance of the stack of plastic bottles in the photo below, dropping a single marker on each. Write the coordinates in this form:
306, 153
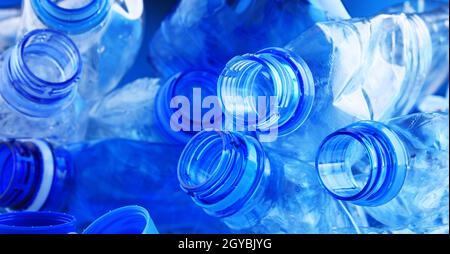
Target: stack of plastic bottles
260, 116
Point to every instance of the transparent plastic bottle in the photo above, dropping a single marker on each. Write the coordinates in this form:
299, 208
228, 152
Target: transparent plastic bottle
397, 170
89, 179
37, 223
438, 74
108, 33
232, 178
333, 74
146, 109
217, 30
38, 89
9, 22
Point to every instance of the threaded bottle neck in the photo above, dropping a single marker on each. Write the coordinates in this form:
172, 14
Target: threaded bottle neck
37, 223
270, 89
40, 74
222, 171
188, 88
72, 16
365, 163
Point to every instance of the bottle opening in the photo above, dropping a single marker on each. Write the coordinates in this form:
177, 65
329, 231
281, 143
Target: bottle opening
269, 89
72, 16
345, 165
204, 157
125, 220
37, 223
364, 163
50, 57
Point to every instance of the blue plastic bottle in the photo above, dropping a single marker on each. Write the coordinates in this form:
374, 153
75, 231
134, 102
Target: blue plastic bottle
9, 22
37, 223
398, 170
38, 88
124, 220
146, 109
87, 180
207, 33
108, 33
231, 177
333, 74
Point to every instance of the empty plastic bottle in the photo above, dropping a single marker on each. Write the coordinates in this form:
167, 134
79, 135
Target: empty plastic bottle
398, 170
333, 74
232, 178
37, 223
207, 33
108, 33
124, 220
9, 23
38, 88
87, 180
438, 74
150, 111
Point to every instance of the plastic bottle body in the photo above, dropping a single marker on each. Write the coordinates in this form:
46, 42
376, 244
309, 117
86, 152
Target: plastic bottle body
9, 21
38, 95
106, 32
334, 74
150, 111
406, 186
217, 30
231, 178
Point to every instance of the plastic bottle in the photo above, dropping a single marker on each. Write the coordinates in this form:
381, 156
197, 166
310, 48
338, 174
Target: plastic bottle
87, 180
124, 220
9, 22
37, 223
108, 33
333, 74
147, 109
38, 88
231, 177
398, 170
207, 33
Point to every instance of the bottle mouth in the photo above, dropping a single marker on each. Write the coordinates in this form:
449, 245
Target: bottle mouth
221, 170
269, 89
193, 88
37, 223
44, 68
364, 163
71, 16
125, 220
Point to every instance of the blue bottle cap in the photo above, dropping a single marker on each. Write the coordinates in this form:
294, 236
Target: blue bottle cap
125, 220
37, 223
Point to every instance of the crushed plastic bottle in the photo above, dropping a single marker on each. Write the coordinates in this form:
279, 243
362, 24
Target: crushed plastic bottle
203, 34
38, 89
398, 170
89, 179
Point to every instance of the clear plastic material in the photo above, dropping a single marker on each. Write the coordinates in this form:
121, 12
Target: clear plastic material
9, 22
203, 34
87, 180
145, 109
232, 178
107, 32
38, 89
399, 170
334, 74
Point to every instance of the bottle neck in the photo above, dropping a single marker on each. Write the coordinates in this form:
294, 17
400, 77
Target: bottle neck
40, 74
190, 90
32, 175
365, 163
225, 173
270, 89
37, 223
72, 16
